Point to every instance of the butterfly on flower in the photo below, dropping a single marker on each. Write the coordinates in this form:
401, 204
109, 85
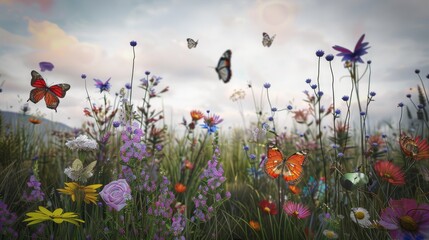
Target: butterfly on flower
266, 40
223, 68
79, 173
50, 94
289, 168
192, 43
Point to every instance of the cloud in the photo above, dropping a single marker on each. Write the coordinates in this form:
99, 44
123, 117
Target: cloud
44, 5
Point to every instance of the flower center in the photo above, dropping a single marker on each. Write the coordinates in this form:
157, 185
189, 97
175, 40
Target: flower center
330, 234
408, 223
267, 209
359, 215
296, 213
386, 175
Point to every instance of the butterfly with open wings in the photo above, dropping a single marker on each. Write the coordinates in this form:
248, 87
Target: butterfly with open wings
289, 168
192, 43
266, 40
223, 68
50, 94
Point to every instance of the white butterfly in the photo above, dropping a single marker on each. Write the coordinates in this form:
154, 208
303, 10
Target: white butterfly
192, 43
223, 68
266, 40
79, 173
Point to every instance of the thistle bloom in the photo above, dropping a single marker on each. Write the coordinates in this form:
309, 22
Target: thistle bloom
406, 219
268, 207
360, 216
82, 142
389, 172
355, 56
46, 66
86, 193
102, 86
211, 122
297, 210
56, 216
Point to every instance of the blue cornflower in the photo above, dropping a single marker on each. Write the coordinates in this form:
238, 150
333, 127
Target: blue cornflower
308, 80
267, 85
46, 66
133, 43
320, 53
400, 104
314, 86
345, 98
337, 111
417, 71
270, 119
252, 156
116, 124
147, 73
408, 95
362, 113
369, 61
319, 93
289, 107
102, 86
329, 57
273, 109
128, 86
340, 154
211, 122
246, 148
355, 56
372, 94
83, 76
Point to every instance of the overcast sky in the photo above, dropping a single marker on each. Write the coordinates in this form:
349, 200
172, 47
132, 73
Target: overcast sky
92, 37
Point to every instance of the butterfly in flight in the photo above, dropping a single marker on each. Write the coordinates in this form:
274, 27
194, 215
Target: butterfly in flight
41, 90
192, 43
290, 168
266, 40
223, 68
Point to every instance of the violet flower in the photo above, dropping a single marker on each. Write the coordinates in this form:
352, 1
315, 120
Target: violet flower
355, 56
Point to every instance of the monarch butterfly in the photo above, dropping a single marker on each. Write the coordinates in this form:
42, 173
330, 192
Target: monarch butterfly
41, 90
266, 40
192, 43
290, 168
223, 68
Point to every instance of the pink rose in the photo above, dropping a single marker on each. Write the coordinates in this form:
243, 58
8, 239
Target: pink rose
116, 193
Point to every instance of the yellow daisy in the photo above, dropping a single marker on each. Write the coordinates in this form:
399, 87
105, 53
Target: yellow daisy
57, 216
86, 193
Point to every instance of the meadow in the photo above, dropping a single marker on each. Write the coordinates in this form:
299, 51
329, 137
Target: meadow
126, 174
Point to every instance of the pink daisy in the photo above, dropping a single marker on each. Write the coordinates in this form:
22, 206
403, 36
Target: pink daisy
297, 210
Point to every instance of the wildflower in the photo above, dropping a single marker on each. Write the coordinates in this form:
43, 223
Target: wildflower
82, 142
355, 56
46, 66
294, 189
330, 234
79, 173
56, 216
417, 71
102, 86
211, 122
289, 107
406, 219
320, 53
196, 115
345, 98
360, 216
297, 210
34, 121
116, 124
116, 194
400, 104
268, 207
128, 86
372, 94
246, 148
133, 147
314, 86
7, 220
408, 95
301, 116
179, 188
36, 193
267, 85
308, 80
83, 76
389, 172
133, 43
178, 225
188, 164
329, 57
417, 148
255, 225
86, 193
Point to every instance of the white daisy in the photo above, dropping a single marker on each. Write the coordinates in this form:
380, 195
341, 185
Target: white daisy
360, 216
330, 234
82, 142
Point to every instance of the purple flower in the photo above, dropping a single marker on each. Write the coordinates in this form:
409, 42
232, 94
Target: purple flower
34, 193
267, 85
102, 86
400, 104
128, 86
116, 193
417, 71
308, 80
320, 53
345, 98
116, 124
132, 147
289, 107
314, 86
46, 66
211, 122
372, 94
408, 95
83, 76
133, 43
7, 219
329, 57
355, 56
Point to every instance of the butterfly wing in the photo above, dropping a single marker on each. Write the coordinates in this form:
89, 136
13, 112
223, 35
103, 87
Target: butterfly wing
273, 166
37, 80
292, 172
37, 94
266, 40
223, 68
60, 89
51, 100
191, 43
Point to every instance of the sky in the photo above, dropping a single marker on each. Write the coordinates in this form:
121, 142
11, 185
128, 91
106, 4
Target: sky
92, 37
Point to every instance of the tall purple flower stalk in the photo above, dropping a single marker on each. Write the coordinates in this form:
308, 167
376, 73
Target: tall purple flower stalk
34, 193
7, 219
133, 146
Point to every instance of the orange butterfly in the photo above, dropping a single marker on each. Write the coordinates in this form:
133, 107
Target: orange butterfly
41, 90
290, 168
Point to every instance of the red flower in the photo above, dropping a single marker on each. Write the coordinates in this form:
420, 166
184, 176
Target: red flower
180, 188
268, 207
417, 148
196, 115
34, 120
390, 172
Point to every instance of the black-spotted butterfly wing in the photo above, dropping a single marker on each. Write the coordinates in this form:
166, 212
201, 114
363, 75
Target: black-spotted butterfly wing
41, 90
223, 68
290, 169
192, 43
266, 40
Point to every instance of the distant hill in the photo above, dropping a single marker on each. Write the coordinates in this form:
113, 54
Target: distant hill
13, 120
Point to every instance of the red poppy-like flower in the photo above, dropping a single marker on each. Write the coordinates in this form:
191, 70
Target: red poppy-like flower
255, 225
389, 172
268, 207
34, 120
179, 188
196, 115
297, 210
417, 148
188, 165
